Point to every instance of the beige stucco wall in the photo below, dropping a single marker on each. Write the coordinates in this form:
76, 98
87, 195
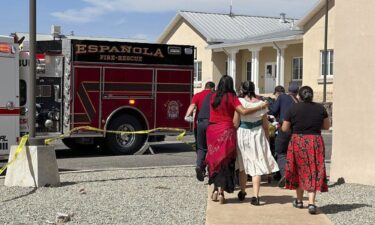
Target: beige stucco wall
313, 43
354, 108
292, 51
218, 70
184, 34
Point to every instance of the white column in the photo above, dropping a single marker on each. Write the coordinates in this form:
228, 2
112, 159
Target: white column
278, 56
232, 53
280, 65
255, 67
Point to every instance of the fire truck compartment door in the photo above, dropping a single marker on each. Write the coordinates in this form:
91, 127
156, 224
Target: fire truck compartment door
174, 92
9, 102
86, 96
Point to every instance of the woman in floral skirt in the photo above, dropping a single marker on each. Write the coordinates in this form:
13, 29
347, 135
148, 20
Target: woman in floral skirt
305, 168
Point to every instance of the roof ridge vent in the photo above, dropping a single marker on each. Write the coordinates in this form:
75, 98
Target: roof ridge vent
231, 14
283, 18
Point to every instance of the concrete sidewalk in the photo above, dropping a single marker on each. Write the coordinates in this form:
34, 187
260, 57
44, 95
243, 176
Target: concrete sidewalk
276, 208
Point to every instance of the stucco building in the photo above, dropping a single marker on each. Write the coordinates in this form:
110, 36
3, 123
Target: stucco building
266, 50
313, 25
292, 50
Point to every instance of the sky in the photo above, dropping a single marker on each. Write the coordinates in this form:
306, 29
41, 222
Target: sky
141, 19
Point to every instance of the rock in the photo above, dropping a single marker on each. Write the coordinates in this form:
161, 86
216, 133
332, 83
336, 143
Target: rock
82, 191
63, 217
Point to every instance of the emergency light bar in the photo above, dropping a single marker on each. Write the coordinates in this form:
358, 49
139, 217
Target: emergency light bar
6, 48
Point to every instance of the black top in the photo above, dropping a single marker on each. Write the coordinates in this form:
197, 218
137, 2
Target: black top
204, 112
306, 118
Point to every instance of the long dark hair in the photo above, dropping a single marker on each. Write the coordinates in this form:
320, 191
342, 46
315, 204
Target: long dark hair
248, 89
306, 94
225, 86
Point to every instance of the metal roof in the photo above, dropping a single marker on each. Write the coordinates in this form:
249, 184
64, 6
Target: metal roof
216, 27
284, 35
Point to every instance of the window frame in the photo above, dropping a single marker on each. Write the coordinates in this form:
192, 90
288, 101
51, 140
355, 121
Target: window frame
300, 68
330, 59
197, 76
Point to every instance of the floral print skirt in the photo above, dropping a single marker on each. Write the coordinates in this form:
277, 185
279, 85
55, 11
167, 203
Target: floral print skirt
305, 167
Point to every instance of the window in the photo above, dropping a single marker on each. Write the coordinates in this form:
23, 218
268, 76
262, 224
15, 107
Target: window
297, 68
330, 62
23, 93
198, 71
226, 68
248, 70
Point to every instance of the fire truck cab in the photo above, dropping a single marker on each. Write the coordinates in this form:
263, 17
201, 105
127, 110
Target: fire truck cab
122, 86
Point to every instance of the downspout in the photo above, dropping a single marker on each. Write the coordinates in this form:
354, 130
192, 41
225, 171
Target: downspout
278, 62
228, 54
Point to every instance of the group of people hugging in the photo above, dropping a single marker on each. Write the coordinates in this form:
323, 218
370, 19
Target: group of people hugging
232, 133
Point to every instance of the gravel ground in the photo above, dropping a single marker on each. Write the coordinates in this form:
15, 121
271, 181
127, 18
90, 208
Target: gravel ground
348, 204
133, 196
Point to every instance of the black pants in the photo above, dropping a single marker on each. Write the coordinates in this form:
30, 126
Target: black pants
281, 148
201, 141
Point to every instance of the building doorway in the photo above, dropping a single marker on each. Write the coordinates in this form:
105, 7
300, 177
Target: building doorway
270, 77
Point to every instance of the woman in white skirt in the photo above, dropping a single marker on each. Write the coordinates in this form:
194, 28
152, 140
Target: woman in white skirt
254, 156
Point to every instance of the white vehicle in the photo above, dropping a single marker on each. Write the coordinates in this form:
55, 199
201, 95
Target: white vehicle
9, 94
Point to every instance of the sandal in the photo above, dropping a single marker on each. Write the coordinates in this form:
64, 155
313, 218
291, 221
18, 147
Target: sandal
312, 209
241, 195
297, 204
214, 195
255, 201
221, 198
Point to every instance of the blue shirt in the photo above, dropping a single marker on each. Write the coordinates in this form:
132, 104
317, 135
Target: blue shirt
281, 106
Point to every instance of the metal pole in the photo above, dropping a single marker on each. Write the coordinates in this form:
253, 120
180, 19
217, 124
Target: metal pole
31, 89
325, 55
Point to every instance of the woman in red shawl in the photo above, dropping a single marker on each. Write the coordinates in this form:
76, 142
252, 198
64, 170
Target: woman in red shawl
222, 139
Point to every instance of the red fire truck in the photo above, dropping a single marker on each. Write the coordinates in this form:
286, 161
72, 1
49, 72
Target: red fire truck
120, 86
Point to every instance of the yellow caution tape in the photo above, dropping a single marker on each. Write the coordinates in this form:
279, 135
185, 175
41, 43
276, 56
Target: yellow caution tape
18, 151
179, 137
48, 141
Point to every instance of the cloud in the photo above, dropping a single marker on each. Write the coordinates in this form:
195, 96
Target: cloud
139, 36
120, 22
98, 8
83, 15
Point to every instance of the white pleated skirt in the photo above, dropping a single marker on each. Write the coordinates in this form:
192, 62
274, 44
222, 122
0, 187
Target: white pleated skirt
254, 153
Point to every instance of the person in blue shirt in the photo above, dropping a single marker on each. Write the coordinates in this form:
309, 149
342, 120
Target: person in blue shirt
278, 109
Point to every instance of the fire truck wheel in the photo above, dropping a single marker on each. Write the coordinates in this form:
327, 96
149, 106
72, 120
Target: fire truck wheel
125, 143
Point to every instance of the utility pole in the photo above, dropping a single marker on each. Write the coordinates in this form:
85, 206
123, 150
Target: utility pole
31, 89
325, 55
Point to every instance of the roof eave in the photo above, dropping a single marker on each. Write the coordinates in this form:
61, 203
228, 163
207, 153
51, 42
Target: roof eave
301, 23
264, 41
